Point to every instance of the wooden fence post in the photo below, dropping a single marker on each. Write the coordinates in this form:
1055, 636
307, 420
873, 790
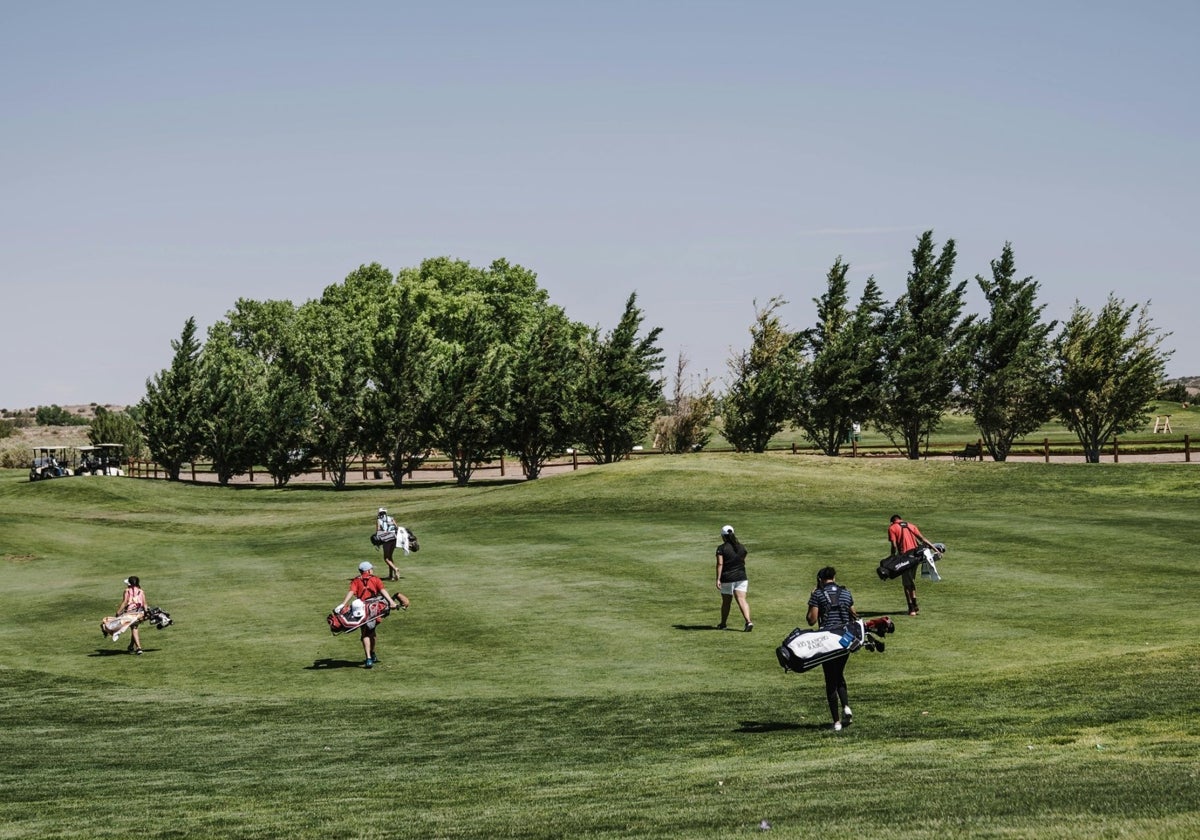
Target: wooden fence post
193, 470
502, 465
1187, 448
1046, 448
574, 459
1116, 452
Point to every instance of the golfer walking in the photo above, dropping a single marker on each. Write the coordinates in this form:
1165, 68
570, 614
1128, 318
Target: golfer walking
386, 533
831, 608
134, 600
366, 586
732, 581
903, 538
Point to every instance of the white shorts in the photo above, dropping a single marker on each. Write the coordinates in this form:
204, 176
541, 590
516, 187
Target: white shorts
736, 586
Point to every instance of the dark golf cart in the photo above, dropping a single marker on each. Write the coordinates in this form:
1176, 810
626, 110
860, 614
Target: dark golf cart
101, 459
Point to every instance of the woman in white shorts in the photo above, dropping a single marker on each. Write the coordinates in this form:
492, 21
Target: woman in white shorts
731, 577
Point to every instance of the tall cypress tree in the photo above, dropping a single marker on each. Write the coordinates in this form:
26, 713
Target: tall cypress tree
762, 390
1006, 382
621, 391
923, 348
840, 384
171, 408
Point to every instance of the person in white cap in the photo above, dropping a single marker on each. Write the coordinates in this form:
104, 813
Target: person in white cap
386, 534
732, 581
365, 586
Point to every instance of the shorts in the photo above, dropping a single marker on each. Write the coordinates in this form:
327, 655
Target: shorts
734, 586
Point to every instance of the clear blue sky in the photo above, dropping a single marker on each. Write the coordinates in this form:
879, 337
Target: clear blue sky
160, 160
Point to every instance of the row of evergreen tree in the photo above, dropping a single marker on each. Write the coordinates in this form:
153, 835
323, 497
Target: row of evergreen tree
901, 367
472, 362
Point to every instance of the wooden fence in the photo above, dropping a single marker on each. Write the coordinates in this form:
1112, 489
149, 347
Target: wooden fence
1044, 450
439, 469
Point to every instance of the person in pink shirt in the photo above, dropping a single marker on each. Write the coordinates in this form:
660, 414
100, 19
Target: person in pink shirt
134, 600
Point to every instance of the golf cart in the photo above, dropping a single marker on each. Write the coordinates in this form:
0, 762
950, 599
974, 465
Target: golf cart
50, 462
101, 459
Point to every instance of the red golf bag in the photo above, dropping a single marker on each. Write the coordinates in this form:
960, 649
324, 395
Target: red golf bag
358, 613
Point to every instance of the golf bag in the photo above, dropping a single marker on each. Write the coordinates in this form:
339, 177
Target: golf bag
897, 564
114, 625
402, 536
804, 650
359, 613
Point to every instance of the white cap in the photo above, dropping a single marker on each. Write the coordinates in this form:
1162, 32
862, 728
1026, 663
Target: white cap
126, 582
727, 529
365, 566
383, 510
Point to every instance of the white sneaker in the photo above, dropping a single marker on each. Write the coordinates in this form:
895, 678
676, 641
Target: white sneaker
116, 636
846, 711
837, 727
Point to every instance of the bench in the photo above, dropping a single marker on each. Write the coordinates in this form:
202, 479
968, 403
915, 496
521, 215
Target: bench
970, 452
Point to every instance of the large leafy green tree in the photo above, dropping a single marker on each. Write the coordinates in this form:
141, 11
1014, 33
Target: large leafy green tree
469, 405
171, 408
923, 348
546, 371
1108, 366
268, 330
397, 409
762, 386
1005, 383
839, 386
479, 316
620, 390
232, 380
335, 340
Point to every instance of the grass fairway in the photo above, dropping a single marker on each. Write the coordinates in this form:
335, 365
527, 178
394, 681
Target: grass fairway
557, 675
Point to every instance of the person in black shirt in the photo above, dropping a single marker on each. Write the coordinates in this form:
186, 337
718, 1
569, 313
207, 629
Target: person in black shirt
831, 607
731, 577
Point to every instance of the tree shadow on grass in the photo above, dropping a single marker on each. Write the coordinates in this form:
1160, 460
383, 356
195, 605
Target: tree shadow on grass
330, 664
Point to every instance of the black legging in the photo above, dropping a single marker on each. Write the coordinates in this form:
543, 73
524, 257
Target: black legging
835, 686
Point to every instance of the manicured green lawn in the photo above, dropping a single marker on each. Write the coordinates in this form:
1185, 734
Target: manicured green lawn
557, 674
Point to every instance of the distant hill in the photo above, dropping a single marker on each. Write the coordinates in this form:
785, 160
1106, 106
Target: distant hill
87, 410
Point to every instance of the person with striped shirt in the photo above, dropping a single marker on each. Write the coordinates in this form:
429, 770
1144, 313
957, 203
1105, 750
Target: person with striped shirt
831, 607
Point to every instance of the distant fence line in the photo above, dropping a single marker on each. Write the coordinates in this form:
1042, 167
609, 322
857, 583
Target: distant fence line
434, 469
437, 469
1043, 450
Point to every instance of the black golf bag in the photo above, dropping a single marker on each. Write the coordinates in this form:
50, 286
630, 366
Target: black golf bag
803, 650
897, 564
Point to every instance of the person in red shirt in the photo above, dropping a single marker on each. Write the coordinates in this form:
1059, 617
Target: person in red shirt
904, 537
368, 585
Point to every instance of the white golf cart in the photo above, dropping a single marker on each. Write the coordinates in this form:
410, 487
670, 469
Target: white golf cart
51, 462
